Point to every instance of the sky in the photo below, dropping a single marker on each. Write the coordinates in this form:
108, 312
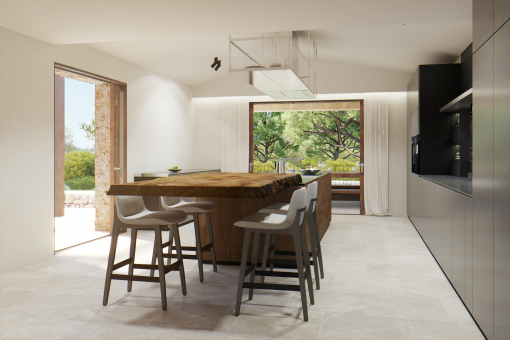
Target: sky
79, 107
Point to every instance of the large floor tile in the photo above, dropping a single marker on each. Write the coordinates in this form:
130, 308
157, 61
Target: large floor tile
51, 306
289, 325
120, 314
425, 329
344, 326
456, 310
40, 328
196, 317
411, 307
397, 270
334, 301
116, 331
427, 287
368, 284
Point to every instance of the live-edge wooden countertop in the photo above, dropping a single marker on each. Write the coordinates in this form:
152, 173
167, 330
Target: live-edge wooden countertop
211, 184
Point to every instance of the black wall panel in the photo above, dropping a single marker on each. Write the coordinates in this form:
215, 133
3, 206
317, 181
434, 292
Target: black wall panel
502, 183
466, 69
438, 85
483, 188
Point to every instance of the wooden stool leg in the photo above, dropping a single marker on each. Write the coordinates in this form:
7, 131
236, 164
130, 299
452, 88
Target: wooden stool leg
132, 251
154, 256
161, 266
170, 247
242, 270
111, 261
177, 239
198, 247
313, 245
271, 266
318, 240
267, 237
211, 240
254, 256
299, 262
306, 257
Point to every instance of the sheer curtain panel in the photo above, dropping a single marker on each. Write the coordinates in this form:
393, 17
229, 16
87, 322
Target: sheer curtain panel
376, 154
235, 134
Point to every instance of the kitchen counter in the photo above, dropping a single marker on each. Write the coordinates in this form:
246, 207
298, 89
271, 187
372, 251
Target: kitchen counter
305, 179
461, 185
166, 173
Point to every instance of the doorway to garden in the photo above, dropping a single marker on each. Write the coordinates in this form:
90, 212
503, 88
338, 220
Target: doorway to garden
324, 135
90, 153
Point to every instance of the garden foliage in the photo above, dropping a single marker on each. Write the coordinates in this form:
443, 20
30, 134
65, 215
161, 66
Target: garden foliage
79, 164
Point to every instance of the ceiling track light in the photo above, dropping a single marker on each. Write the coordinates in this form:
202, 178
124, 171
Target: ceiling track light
217, 64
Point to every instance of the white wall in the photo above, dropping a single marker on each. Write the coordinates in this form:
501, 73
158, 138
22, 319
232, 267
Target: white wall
332, 77
207, 139
160, 133
207, 133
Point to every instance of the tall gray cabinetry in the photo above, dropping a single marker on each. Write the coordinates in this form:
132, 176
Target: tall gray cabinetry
491, 167
502, 181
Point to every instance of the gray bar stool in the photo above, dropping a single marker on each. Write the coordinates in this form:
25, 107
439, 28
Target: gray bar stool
193, 209
290, 224
132, 212
313, 232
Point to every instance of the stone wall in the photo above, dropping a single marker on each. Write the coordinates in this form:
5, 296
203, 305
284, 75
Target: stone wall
102, 146
79, 199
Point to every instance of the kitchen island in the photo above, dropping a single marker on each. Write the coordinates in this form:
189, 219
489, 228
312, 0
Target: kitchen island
238, 195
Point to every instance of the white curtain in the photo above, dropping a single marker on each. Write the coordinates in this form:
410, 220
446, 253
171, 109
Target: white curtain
235, 134
376, 154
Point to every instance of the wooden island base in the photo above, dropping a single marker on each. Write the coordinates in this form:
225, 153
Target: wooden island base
228, 239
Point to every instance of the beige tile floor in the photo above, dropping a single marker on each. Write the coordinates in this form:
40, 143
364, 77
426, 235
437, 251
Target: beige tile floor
381, 282
75, 227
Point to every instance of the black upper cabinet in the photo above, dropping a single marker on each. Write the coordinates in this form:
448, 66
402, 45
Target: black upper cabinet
483, 22
466, 69
434, 86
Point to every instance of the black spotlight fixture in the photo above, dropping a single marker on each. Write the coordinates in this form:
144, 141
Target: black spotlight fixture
217, 64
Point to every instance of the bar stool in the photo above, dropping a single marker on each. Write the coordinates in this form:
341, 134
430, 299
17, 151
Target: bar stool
313, 231
290, 224
192, 209
133, 213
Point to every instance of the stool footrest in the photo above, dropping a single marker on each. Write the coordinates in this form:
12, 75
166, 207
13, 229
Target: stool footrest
122, 263
249, 269
169, 268
271, 286
289, 253
207, 247
135, 278
184, 256
274, 273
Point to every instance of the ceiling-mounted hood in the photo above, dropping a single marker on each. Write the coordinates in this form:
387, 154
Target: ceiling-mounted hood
274, 64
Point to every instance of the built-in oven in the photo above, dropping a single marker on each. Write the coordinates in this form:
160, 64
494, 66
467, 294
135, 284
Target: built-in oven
415, 154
